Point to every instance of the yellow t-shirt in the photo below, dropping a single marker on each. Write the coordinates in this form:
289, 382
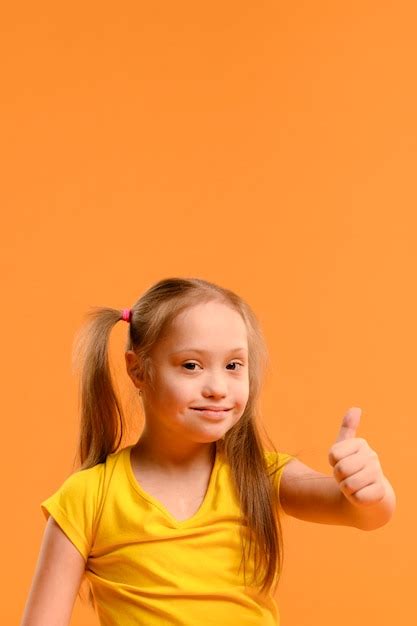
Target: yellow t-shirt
148, 569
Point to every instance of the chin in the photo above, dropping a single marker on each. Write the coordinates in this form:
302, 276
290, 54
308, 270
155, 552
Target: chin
209, 437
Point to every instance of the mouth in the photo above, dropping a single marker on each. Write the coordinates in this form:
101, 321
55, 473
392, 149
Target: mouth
214, 414
211, 408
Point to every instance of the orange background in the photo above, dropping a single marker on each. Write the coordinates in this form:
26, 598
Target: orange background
267, 146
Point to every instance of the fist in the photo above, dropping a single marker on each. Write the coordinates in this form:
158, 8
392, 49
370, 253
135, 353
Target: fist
356, 467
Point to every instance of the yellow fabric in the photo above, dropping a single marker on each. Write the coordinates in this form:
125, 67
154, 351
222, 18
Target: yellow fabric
147, 568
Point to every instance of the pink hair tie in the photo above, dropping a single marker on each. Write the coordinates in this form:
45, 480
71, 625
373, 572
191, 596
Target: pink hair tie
127, 315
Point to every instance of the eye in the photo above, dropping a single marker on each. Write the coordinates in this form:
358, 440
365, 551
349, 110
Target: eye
236, 363
193, 363
189, 363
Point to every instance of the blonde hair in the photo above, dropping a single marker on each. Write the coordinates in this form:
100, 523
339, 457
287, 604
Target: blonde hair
102, 419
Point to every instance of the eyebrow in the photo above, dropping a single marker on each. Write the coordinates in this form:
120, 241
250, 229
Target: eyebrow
204, 351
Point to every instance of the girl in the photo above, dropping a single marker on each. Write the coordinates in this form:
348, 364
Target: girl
160, 529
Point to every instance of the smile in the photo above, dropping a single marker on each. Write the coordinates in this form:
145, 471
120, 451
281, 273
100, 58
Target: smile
213, 414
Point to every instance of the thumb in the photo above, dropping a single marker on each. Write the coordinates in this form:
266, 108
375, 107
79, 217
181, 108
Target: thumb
350, 424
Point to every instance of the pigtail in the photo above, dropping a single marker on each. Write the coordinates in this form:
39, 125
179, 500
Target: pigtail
102, 421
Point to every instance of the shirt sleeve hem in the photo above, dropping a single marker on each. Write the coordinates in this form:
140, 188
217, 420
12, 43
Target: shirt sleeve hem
286, 459
71, 532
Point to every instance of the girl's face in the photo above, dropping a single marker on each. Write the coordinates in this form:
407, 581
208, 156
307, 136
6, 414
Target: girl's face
202, 362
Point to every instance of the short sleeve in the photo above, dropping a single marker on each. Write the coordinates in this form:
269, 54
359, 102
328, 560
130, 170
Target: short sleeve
278, 461
74, 506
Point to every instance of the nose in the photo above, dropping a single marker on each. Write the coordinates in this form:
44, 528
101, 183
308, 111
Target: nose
215, 386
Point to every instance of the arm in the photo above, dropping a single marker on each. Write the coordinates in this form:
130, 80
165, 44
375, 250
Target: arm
56, 581
314, 497
357, 495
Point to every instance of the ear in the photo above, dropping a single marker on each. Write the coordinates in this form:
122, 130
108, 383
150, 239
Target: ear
133, 368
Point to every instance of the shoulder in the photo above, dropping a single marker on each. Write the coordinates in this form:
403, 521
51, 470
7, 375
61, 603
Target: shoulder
91, 477
83, 485
276, 464
277, 459
86, 478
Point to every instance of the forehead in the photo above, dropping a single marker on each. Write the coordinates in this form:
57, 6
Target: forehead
209, 326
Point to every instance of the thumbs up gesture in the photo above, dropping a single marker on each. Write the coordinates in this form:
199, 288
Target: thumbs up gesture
356, 466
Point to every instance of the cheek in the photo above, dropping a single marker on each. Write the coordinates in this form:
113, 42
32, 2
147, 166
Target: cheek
244, 385
243, 400
177, 389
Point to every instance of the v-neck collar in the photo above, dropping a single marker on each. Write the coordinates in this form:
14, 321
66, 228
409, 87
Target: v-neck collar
158, 504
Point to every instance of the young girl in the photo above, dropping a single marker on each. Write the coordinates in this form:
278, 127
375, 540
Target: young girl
161, 529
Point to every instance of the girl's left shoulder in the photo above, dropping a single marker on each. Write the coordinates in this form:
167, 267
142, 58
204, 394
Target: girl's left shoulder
277, 459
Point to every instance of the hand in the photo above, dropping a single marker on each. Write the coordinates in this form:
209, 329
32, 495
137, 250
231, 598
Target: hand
356, 466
